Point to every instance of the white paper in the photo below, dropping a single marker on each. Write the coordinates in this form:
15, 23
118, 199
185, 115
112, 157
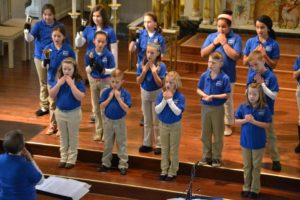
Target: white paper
65, 187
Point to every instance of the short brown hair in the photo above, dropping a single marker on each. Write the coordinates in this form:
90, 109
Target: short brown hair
255, 55
117, 74
48, 6
13, 142
217, 56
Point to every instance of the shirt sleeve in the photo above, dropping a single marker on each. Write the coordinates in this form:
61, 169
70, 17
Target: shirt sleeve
112, 38
268, 115
207, 41
297, 64
163, 71
162, 44
80, 85
238, 45
275, 51
227, 86
273, 85
239, 113
33, 175
181, 102
127, 99
247, 48
201, 82
104, 95
35, 30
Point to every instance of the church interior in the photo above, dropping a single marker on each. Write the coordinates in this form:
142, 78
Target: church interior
185, 26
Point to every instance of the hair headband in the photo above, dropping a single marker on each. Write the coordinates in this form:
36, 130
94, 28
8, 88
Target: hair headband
225, 16
155, 45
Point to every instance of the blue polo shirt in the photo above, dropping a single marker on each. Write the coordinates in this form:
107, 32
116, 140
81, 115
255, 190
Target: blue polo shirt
271, 83
113, 110
235, 42
104, 58
167, 116
271, 46
143, 41
56, 57
42, 35
18, 178
149, 83
65, 99
297, 66
219, 85
252, 136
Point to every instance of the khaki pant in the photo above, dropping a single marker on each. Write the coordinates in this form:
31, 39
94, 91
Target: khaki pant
52, 107
42, 74
252, 164
229, 109
272, 142
115, 129
212, 122
170, 140
68, 126
97, 86
150, 118
298, 102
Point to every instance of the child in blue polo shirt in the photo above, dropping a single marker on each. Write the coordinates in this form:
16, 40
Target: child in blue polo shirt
115, 101
150, 74
263, 75
99, 64
296, 75
230, 45
41, 34
68, 92
59, 50
169, 107
150, 34
214, 89
265, 42
254, 116
98, 21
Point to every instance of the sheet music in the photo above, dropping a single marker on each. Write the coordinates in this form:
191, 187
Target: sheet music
65, 187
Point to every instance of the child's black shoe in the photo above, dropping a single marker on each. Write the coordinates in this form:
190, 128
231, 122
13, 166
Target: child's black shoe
123, 171
145, 149
157, 151
103, 168
276, 166
253, 195
245, 193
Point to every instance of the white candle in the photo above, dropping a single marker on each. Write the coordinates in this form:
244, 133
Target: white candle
73, 6
114, 2
93, 3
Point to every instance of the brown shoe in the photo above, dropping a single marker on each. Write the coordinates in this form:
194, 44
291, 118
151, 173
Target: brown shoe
97, 138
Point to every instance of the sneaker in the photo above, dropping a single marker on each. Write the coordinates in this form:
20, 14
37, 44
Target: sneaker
41, 112
142, 121
123, 171
92, 118
51, 130
253, 195
61, 165
205, 161
228, 130
170, 178
69, 166
245, 193
276, 166
297, 149
145, 149
162, 177
103, 168
157, 151
216, 163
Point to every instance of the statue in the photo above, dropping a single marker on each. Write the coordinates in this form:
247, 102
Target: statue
290, 15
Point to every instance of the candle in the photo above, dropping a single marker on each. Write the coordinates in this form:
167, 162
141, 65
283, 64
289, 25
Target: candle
114, 2
73, 6
93, 3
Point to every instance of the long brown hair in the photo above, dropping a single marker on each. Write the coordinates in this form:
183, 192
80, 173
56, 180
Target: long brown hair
261, 102
154, 18
103, 13
75, 75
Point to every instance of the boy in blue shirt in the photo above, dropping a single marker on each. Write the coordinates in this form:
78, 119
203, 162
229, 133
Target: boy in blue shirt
214, 89
99, 64
115, 101
261, 74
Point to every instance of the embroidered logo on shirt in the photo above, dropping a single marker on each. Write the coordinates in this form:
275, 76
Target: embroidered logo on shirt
230, 41
155, 40
268, 48
219, 83
261, 112
267, 82
65, 53
104, 59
